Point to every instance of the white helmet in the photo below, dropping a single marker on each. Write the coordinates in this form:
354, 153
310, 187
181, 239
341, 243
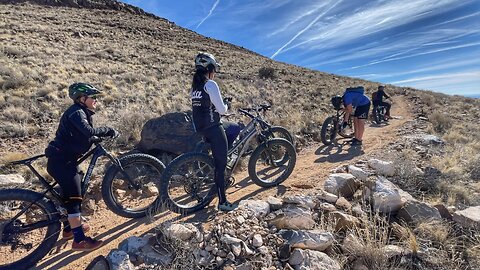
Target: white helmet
207, 61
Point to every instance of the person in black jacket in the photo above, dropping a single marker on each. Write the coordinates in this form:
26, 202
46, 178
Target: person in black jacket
207, 106
72, 141
378, 100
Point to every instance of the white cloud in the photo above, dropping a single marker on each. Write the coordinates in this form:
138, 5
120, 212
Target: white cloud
209, 13
305, 29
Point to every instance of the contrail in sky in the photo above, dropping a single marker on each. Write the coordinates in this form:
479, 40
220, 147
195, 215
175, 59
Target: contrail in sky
209, 13
303, 30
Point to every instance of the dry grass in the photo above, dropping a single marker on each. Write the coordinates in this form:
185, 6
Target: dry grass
441, 122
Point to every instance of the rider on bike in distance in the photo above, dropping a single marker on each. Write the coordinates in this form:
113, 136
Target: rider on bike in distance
207, 106
72, 141
377, 99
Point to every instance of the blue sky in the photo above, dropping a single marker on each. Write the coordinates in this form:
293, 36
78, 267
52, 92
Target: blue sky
426, 44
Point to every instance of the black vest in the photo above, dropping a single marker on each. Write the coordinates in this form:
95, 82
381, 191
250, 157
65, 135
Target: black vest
203, 110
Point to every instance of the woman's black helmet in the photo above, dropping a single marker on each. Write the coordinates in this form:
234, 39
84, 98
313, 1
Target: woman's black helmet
77, 90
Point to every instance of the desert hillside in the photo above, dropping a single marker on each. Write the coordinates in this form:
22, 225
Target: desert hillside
430, 151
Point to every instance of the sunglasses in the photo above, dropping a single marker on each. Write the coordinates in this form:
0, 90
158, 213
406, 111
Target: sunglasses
93, 97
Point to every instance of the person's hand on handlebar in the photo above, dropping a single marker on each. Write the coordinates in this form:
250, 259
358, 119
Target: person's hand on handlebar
112, 133
228, 101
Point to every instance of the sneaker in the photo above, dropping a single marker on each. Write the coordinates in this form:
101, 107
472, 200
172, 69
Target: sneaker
67, 235
88, 244
356, 142
227, 207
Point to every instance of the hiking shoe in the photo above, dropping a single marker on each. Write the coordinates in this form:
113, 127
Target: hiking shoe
356, 142
67, 235
227, 207
88, 244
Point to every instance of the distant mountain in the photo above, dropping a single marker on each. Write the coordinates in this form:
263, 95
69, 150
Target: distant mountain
473, 96
89, 4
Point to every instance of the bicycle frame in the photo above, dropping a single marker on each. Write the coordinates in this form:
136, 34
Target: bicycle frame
254, 127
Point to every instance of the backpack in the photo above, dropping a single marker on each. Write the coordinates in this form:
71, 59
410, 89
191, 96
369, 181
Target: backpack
374, 95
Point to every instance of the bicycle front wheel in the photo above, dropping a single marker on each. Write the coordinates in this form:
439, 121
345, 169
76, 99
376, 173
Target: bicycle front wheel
188, 183
272, 162
131, 192
26, 239
329, 130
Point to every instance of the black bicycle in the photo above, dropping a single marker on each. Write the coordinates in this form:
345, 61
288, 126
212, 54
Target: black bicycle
379, 114
30, 220
188, 181
333, 124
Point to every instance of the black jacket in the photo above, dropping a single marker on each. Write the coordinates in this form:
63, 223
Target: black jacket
75, 130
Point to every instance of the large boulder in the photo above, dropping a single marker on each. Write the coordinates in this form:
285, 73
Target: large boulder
171, 132
385, 196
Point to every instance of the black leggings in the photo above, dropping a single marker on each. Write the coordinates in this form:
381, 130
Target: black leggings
217, 139
66, 173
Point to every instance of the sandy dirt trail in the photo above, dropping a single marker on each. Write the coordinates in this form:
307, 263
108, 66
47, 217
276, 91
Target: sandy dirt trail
313, 165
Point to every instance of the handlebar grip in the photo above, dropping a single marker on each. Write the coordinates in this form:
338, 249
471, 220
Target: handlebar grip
95, 139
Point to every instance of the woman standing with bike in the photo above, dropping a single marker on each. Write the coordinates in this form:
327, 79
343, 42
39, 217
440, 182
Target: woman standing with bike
71, 141
207, 106
355, 97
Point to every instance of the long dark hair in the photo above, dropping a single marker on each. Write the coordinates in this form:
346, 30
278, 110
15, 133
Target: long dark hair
199, 78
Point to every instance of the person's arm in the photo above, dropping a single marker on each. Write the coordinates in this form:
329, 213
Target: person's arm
213, 91
348, 112
385, 94
80, 122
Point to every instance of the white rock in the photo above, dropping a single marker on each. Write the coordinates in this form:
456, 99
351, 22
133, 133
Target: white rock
179, 231
260, 208
11, 179
227, 239
275, 203
240, 220
342, 184
357, 172
293, 217
326, 196
236, 249
257, 240
386, 197
327, 207
311, 259
120, 260
469, 217
133, 244
385, 168
314, 240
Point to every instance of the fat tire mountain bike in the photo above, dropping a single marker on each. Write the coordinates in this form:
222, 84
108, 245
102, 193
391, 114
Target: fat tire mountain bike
333, 126
188, 181
30, 221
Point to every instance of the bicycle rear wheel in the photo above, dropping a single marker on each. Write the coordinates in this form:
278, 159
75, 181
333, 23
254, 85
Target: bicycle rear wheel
124, 199
27, 239
188, 183
272, 162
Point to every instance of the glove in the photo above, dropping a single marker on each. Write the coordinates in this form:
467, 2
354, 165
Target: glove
228, 101
112, 133
344, 125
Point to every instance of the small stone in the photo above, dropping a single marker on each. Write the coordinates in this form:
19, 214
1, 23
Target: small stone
236, 249
240, 220
257, 240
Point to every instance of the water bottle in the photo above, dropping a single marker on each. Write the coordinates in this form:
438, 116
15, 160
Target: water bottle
233, 158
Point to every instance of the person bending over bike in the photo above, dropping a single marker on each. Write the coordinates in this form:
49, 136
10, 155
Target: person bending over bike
207, 106
377, 99
355, 97
71, 141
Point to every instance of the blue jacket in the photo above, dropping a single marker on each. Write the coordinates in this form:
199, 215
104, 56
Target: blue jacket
355, 96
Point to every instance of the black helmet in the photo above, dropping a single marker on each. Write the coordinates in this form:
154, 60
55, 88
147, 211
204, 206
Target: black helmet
381, 87
207, 61
77, 90
337, 102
